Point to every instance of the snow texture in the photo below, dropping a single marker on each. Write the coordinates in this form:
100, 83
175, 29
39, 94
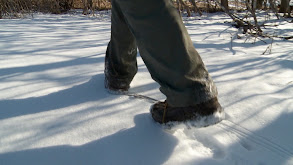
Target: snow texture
54, 108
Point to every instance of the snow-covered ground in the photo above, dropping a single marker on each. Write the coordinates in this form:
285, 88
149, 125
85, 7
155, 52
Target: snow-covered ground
54, 109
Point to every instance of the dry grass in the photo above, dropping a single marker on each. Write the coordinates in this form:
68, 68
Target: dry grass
13, 8
16, 8
97, 4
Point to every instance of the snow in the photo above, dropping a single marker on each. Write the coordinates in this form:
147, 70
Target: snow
54, 108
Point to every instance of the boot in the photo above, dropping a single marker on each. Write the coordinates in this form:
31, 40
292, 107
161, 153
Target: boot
116, 86
162, 113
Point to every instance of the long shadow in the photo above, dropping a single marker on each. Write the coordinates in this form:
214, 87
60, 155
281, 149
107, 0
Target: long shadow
89, 91
261, 63
145, 143
42, 67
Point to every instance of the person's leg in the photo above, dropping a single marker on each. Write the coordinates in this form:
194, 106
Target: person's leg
168, 51
120, 61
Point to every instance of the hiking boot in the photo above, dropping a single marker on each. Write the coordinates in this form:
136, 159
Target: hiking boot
116, 86
163, 113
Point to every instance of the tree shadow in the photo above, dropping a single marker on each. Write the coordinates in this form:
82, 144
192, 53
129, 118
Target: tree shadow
89, 91
145, 143
14, 71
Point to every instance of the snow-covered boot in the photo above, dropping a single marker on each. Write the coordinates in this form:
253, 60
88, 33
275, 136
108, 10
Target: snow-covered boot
115, 86
163, 113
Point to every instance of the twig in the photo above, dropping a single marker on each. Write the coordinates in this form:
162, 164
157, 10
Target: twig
269, 48
195, 7
252, 11
186, 7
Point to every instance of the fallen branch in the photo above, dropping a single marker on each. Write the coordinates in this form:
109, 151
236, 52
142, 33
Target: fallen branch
239, 21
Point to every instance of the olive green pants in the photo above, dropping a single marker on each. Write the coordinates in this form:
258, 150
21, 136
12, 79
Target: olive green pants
156, 29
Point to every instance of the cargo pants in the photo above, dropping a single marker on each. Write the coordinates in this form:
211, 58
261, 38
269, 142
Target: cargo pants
156, 29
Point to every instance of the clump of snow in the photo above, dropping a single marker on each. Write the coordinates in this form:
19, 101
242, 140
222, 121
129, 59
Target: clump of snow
199, 121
